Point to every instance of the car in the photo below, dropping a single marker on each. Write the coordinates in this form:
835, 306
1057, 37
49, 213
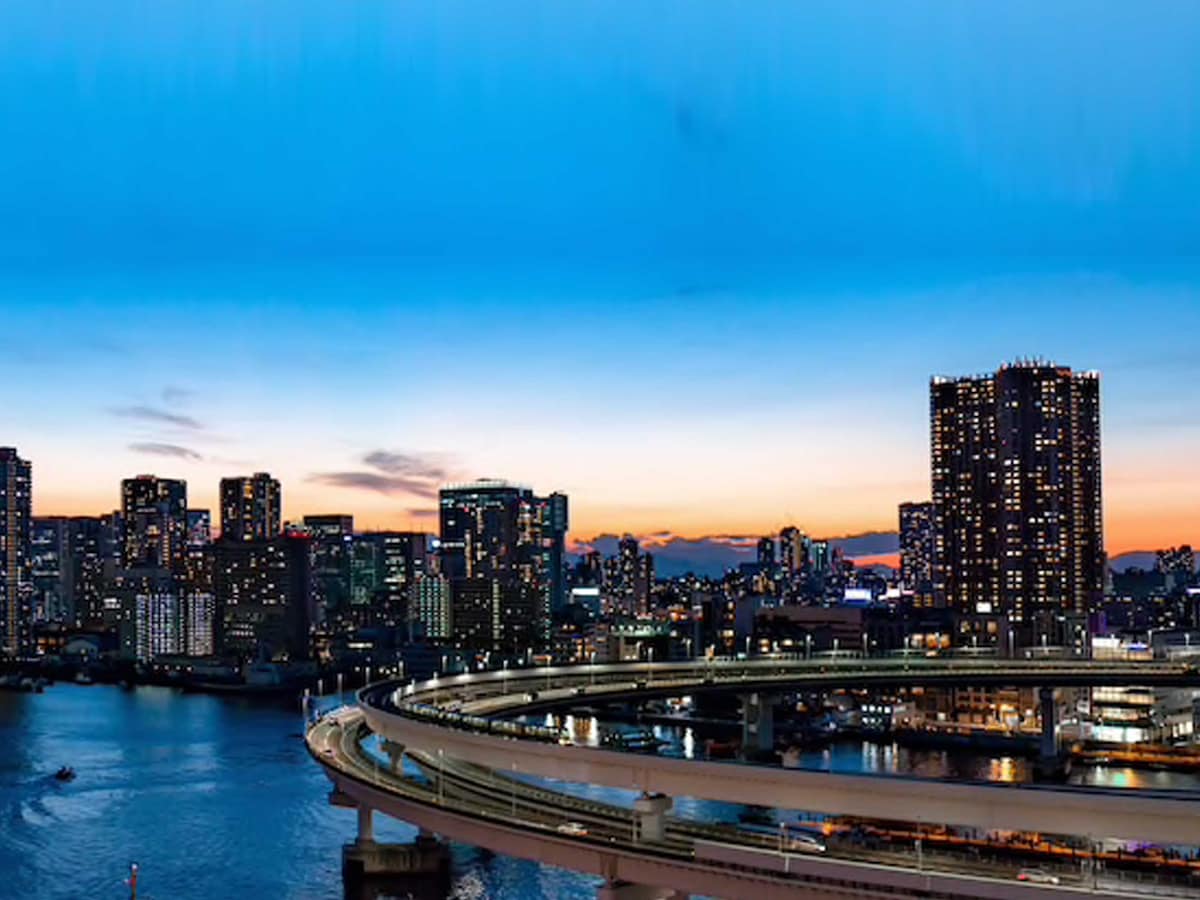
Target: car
1037, 876
806, 843
574, 829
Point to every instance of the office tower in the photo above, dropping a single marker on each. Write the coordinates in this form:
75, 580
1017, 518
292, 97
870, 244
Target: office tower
766, 556
199, 615
332, 536
250, 508
16, 588
479, 529
918, 541
50, 561
264, 596
429, 607
150, 623
553, 522
154, 513
198, 603
500, 533
789, 538
626, 590
95, 555
818, 557
1016, 486
475, 613
384, 564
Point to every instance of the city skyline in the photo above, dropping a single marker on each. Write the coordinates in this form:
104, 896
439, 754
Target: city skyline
394, 490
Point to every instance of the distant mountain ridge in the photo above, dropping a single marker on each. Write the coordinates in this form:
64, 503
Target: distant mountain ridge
713, 554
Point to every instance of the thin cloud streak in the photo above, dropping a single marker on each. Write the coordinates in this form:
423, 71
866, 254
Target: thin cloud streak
157, 416
377, 483
170, 450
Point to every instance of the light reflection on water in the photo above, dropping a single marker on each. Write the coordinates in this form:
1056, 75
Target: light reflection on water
213, 797
217, 797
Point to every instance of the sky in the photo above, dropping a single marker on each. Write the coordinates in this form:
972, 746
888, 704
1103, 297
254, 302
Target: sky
691, 262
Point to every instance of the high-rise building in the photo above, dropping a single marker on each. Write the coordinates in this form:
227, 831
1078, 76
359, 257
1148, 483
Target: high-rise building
264, 596
918, 542
95, 556
16, 586
250, 508
429, 607
332, 536
1016, 487
500, 533
151, 621
789, 538
154, 513
51, 570
766, 556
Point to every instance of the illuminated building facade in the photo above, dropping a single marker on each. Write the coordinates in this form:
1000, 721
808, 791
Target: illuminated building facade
250, 508
154, 513
16, 587
918, 544
502, 548
1016, 487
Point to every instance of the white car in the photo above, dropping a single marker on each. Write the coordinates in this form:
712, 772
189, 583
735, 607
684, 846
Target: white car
1037, 876
575, 829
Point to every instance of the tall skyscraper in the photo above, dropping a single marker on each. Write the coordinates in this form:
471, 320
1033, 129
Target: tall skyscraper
154, 511
332, 537
264, 596
250, 508
501, 534
918, 542
95, 555
1016, 486
16, 587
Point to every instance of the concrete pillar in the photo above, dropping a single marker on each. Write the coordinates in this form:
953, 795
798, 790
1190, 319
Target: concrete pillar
650, 816
366, 825
758, 724
395, 755
1048, 748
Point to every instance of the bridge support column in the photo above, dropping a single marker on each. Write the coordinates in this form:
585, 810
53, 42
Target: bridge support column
366, 825
395, 755
650, 816
1050, 763
758, 724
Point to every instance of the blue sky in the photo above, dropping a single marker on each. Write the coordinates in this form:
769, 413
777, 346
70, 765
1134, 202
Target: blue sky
692, 262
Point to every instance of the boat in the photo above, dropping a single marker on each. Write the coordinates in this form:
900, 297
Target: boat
66, 773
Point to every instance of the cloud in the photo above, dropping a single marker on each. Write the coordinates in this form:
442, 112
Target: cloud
158, 416
417, 475
377, 482
172, 450
427, 467
422, 513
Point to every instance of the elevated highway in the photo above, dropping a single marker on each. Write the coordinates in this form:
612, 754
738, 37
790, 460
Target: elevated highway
468, 718
487, 809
